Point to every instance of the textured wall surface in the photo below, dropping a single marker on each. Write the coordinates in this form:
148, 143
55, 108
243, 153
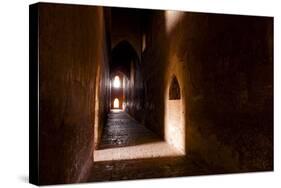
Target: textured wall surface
136, 92
72, 50
223, 119
225, 69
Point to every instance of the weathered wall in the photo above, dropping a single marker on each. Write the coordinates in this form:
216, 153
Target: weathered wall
224, 65
154, 62
73, 63
102, 95
135, 91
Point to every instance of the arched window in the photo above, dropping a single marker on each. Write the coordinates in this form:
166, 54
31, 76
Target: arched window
116, 82
174, 90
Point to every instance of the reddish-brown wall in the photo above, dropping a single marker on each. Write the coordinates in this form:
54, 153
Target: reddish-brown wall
224, 65
72, 50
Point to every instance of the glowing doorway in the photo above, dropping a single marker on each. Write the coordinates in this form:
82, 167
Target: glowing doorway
116, 103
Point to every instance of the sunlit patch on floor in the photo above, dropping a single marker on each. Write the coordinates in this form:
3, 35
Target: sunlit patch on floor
116, 110
143, 151
125, 138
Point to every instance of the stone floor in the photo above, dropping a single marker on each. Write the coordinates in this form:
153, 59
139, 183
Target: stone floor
128, 150
122, 130
144, 169
124, 138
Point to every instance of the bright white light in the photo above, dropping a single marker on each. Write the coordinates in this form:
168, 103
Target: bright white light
116, 103
116, 82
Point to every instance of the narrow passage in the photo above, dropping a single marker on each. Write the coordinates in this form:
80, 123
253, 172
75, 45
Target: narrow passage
122, 130
128, 150
124, 138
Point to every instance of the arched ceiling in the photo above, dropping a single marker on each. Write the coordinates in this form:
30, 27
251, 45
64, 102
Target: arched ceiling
121, 57
126, 25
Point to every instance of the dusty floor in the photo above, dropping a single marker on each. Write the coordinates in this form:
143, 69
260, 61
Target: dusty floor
124, 138
122, 130
145, 168
128, 150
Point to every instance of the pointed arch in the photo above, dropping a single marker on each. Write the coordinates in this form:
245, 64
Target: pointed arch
174, 89
123, 54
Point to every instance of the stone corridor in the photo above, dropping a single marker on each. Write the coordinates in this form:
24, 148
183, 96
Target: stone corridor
123, 130
194, 93
124, 138
128, 150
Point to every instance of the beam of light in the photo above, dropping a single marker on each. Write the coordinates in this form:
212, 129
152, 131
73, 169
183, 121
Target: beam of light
116, 103
172, 18
143, 42
175, 124
142, 151
116, 82
174, 121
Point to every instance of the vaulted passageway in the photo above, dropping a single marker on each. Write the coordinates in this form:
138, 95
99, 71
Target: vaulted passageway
128, 150
164, 107
123, 130
135, 93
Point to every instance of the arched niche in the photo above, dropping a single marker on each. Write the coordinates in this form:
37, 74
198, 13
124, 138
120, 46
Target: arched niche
174, 89
174, 115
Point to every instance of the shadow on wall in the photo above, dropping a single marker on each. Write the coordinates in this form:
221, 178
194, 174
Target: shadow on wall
154, 60
229, 88
70, 52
